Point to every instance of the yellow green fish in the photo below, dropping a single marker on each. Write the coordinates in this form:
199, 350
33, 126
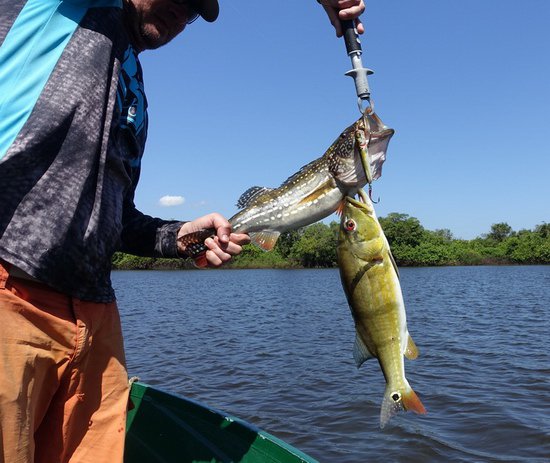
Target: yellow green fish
371, 282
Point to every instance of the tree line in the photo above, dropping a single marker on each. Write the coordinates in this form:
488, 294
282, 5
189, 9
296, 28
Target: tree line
411, 244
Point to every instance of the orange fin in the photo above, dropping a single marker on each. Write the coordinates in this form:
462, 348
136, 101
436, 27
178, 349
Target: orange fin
266, 240
411, 402
340, 209
200, 260
411, 351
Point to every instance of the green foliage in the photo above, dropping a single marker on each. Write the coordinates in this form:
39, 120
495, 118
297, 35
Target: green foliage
287, 240
316, 246
543, 230
123, 261
402, 230
444, 235
500, 231
411, 245
254, 257
129, 262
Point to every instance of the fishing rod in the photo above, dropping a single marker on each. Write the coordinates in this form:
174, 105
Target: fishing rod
359, 73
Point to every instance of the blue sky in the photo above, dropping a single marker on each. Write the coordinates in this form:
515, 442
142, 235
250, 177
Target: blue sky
250, 99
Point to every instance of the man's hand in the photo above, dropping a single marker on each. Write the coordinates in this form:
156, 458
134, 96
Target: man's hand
338, 10
222, 247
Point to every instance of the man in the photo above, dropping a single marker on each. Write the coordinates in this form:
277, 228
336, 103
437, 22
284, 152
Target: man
73, 122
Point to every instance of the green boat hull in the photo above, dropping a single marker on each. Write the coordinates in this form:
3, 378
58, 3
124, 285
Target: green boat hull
166, 428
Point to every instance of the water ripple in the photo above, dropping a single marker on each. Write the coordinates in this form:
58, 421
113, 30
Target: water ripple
274, 347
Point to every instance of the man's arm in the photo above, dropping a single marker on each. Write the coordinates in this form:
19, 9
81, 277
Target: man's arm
147, 236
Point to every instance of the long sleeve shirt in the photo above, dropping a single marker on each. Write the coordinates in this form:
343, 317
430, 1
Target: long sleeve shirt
73, 124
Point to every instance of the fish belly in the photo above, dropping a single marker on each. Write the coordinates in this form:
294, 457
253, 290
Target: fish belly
288, 213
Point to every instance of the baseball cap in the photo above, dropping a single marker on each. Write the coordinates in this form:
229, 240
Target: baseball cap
208, 9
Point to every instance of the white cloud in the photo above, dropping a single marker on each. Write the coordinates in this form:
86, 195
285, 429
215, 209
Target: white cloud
169, 201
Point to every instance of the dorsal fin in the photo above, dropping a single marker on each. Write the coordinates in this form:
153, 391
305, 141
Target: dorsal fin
308, 168
251, 194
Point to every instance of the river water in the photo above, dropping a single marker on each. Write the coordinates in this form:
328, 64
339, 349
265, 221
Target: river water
274, 347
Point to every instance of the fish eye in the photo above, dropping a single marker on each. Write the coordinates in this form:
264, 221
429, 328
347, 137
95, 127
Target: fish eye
396, 397
349, 225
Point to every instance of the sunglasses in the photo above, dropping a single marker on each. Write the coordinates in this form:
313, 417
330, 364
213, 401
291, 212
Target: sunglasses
191, 12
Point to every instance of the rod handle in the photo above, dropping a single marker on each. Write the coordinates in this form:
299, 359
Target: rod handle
351, 38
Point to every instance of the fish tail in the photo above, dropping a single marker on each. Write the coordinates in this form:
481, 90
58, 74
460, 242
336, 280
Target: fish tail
396, 400
411, 402
200, 261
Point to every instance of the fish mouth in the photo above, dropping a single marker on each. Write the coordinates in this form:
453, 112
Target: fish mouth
384, 134
373, 126
376, 130
378, 135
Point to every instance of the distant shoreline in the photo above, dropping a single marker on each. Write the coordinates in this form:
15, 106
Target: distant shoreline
411, 244
177, 264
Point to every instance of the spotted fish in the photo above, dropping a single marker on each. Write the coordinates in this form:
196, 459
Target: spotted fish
317, 189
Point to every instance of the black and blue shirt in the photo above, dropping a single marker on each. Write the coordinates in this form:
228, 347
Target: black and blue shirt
73, 124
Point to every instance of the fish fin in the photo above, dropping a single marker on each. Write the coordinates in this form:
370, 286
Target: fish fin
396, 400
265, 239
251, 195
200, 261
411, 351
411, 402
340, 209
307, 168
360, 351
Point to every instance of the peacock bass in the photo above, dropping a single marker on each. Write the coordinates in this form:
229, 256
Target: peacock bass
371, 283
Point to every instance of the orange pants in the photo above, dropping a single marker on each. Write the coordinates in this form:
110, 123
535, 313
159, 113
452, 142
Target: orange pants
63, 380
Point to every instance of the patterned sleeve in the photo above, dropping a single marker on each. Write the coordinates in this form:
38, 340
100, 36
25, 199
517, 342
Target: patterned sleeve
147, 236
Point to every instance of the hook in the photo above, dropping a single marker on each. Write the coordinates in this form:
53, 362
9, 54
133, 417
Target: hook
370, 195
